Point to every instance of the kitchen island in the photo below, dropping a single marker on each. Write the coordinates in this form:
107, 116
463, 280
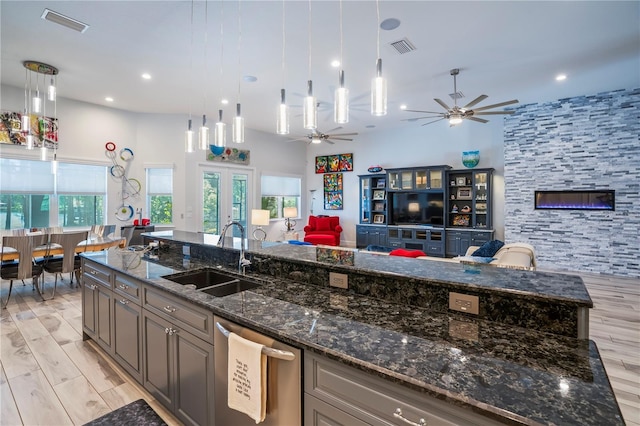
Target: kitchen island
498, 371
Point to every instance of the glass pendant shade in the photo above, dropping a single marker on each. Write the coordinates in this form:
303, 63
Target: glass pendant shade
43, 152
220, 133
54, 165
282, 123
30, 141
203, 135
310, 110
341, 102
238, 127
25, 121
379, 92
36, 103
51, 92
188, 140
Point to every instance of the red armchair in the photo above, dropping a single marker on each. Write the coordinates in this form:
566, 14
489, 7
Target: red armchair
323, 230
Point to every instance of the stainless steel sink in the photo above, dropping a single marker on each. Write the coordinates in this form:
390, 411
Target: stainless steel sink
212, 281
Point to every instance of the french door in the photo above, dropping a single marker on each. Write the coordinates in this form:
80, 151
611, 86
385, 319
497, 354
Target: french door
225, 196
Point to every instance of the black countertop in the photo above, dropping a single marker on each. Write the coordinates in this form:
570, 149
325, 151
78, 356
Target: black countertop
518, 375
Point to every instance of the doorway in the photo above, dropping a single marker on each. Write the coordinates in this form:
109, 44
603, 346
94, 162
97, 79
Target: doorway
225, 196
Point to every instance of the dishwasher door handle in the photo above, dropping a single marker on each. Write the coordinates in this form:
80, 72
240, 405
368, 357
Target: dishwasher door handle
272, 352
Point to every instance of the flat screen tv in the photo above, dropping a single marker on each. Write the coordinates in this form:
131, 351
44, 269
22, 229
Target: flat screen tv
416, 208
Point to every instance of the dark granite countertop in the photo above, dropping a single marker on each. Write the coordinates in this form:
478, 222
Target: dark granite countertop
518, 375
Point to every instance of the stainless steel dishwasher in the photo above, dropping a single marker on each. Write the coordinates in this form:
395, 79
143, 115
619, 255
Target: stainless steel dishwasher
284, 378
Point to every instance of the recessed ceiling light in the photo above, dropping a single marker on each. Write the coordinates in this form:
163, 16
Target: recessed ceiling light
224, 101
108, 99
146, 76
335, 63
403, 106
390, 24
561, 77
63, 20
250, 78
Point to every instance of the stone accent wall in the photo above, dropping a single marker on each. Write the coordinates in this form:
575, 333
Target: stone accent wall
581, 143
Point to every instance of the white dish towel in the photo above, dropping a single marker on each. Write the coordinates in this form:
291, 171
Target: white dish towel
247, 378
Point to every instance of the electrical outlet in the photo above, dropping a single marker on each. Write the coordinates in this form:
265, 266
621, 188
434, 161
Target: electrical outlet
464, 303
186, 250
338, 280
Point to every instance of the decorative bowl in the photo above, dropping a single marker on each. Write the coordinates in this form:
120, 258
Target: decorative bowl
470, 159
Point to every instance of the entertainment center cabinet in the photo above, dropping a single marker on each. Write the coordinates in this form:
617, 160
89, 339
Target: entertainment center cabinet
435, 209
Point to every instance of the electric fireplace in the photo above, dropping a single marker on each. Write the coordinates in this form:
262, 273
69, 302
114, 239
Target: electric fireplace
575, 200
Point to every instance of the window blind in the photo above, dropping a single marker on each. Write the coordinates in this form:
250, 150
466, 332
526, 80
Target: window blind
81, 179
159, 181
280, 186
25, 176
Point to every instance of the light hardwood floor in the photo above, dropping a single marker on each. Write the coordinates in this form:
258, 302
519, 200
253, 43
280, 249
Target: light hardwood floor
49, 376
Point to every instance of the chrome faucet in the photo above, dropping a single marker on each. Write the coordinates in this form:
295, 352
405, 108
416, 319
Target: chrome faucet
242, 262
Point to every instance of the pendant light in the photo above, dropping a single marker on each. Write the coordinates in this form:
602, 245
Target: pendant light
189, 146
341, 101
220, 132
237, 127
309, 106
282, 122
378, 84
36, 102
51, 91
25, 122
203, 133
36, 105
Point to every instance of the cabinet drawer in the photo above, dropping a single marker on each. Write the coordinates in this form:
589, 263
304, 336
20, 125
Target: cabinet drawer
377, 401
98, 274
434, 249
127, 287
194, 319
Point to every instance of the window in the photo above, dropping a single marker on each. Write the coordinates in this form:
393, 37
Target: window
160, 195
81, 192
28, 194
26, 187
279, 192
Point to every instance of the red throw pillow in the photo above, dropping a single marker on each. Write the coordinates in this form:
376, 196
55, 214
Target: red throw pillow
323, 224
407, 253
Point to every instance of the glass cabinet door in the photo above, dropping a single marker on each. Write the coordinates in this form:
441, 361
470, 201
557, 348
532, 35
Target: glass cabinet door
421, 179
407, 180
435, 179
394, 180
481, 198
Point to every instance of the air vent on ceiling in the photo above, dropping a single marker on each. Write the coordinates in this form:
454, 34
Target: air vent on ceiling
65, 21
403, 46
456, 95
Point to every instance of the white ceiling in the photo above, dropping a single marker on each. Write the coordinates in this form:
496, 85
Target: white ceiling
505, 49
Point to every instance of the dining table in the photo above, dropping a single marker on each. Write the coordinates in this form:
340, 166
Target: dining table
93, 243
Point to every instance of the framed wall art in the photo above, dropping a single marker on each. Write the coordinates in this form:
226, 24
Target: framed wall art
333, 191
334, 163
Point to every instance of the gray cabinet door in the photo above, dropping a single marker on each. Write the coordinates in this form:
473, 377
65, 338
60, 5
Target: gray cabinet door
319, 413
103, 317
88, 309
127, 336
158, 374
194, 379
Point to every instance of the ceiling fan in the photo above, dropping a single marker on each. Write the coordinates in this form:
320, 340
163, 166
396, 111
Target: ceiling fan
317, 136
456, 114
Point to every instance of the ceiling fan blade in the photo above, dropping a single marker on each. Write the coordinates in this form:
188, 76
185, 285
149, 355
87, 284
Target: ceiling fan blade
513, 101
475, 101
341, 134
492, 112
296, 140
333, 130
425, 112
421, 118
479, 120
442, 104
329, 142
341, 139
433, 121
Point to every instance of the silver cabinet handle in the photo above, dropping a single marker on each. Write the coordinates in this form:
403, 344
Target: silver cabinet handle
124, 302
93, 272
169, 309
123, 286
170, 331
272, 352
398, 415
92, 287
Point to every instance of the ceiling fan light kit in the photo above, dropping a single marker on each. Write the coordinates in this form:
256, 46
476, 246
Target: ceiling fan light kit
457, 114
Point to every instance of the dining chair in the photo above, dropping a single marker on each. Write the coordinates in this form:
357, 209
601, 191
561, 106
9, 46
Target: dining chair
25, 266
69, 261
